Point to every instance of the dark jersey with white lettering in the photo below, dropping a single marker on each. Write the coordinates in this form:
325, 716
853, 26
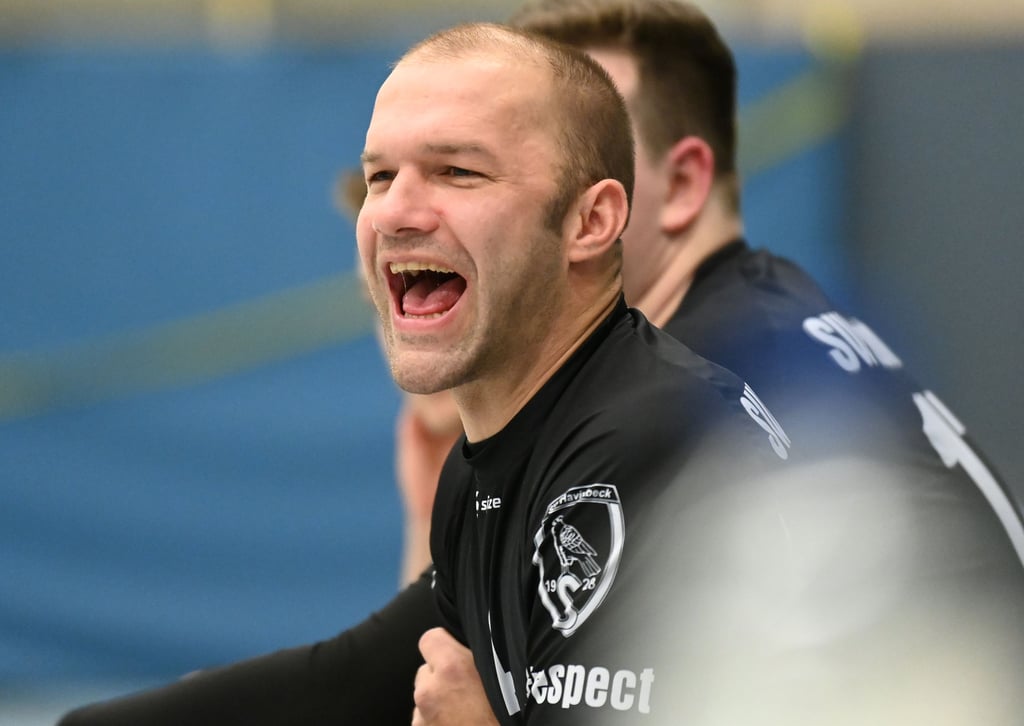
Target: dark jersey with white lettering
851, 589
838, 388
540, 533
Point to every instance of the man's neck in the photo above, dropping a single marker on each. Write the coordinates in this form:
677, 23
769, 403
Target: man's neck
488, 403
712, 231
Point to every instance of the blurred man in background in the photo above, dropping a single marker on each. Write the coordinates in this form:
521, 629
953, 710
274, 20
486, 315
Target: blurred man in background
688, 268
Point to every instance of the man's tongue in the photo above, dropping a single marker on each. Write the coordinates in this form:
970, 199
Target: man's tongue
430, 295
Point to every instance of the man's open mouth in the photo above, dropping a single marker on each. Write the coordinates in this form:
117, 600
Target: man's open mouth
424, 290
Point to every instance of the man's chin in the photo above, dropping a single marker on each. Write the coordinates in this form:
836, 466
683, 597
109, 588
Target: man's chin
424, 378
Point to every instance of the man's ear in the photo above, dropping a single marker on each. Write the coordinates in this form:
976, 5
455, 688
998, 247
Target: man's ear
690, 165
597, 220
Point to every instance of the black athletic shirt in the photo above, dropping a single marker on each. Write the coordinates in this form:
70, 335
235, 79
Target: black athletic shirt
540, 532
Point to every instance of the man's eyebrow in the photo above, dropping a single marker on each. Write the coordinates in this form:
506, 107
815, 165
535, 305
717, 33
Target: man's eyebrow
370, 157
470, 148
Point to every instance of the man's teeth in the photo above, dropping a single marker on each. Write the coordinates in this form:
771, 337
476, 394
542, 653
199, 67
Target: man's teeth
415, 268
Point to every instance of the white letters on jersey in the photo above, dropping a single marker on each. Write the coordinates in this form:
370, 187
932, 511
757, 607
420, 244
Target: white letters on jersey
852, 342
760, 413
508, 685
945, 432
596, 687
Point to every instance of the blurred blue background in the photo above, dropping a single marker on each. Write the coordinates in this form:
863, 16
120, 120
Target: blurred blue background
195, 420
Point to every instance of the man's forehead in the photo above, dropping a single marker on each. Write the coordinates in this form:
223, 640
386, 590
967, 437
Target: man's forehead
498, 91
434, 106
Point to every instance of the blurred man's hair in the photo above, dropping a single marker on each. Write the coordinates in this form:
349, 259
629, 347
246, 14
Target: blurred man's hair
687, 74
349, 192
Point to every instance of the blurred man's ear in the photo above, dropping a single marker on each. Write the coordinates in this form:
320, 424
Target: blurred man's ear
349, 192
691, 170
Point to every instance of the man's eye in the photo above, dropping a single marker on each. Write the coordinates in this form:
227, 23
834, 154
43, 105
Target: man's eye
459, 171
379, 176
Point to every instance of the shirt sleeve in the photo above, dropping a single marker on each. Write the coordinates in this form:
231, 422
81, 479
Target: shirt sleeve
364, 675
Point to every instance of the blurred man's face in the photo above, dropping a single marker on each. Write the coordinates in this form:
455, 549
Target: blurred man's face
642, 246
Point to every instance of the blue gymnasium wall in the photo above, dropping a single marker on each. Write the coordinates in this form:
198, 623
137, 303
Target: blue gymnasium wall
195, 422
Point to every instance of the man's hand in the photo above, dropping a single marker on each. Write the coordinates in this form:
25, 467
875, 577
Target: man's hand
448, 690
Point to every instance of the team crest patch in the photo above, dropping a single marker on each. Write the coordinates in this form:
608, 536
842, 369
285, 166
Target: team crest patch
577, 550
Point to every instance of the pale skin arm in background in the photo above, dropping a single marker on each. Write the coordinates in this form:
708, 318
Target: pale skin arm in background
426, 429
448, 690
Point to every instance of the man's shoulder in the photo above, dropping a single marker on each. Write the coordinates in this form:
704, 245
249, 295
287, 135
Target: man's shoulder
646, 368
647, 392
746, 290
765, 319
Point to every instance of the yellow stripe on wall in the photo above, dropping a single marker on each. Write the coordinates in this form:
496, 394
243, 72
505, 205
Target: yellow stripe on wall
792, 118
188, 351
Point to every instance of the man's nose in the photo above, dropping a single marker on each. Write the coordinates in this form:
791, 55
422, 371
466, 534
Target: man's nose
405, 208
